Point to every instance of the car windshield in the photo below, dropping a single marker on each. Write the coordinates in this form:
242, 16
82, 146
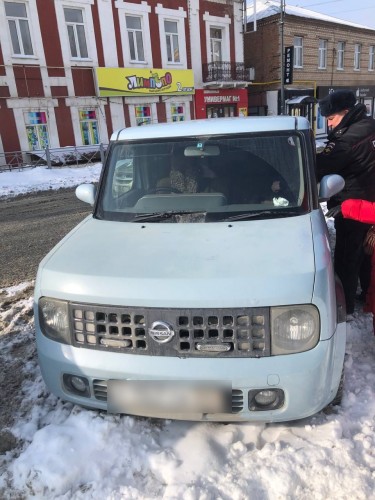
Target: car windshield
204, 179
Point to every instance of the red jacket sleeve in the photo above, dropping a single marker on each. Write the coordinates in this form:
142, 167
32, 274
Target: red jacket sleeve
361, 210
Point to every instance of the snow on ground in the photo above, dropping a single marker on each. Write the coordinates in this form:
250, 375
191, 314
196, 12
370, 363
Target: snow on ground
66, 452
14, 183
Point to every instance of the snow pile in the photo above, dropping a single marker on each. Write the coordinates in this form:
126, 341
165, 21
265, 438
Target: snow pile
43, 179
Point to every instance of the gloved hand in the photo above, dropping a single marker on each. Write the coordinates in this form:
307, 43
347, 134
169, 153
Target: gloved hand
334, 212
369, 242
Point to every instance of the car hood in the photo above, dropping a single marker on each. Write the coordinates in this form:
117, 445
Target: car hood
237, 264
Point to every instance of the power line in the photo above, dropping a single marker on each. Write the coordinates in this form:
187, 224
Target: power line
338, 12
321, 3
355, 10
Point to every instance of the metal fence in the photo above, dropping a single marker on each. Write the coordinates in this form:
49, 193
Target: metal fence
68, 156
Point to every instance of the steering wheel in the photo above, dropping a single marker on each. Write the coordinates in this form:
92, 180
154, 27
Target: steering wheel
164, 190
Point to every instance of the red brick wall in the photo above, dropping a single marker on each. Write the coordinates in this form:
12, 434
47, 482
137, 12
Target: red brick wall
28, 81
83, 80
64, 124
49, 32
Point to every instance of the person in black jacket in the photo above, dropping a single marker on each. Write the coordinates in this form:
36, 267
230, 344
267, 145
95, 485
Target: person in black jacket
350, 152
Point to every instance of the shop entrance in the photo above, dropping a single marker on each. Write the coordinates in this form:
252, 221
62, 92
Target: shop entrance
302, 106
220, 111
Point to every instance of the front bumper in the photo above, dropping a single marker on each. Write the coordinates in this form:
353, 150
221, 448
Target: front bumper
308, 380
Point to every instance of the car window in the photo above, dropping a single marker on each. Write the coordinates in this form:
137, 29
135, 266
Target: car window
207, 174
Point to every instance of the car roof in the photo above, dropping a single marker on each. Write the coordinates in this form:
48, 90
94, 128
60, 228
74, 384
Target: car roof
212, 126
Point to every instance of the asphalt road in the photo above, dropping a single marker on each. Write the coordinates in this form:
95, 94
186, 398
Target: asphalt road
30, 225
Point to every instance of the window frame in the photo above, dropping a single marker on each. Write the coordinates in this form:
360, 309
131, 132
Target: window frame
215, 40
298, 52
136, 10
173, 40
340, 55
38, 127
357, 56
143, 102
20, 38
322, 53
86, 6
133, 39
224, 24
74, 25
178, 16
89, 122
371, 58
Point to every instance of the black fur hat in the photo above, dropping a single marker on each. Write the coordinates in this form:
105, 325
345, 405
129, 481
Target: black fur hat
337, 101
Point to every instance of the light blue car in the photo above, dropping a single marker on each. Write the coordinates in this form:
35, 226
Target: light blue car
202, 288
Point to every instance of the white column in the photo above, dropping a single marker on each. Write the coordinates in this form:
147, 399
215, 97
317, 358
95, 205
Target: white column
107, 29
195, 41
238, 31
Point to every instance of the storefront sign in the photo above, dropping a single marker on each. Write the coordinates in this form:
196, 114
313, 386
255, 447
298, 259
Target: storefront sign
140, 82
214, 103
360, 92
209, 99
288, 65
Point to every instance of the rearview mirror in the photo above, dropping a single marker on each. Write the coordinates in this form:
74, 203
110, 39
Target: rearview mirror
329, 186
86, 193
202, 151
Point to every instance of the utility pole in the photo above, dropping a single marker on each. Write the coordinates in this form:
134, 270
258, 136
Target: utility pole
282, 69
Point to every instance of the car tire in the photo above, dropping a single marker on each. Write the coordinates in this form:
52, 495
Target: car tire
336, 401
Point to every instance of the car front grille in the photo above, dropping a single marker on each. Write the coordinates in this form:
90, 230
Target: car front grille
225, 333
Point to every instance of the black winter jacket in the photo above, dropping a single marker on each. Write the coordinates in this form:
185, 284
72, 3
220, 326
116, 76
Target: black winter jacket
350, 152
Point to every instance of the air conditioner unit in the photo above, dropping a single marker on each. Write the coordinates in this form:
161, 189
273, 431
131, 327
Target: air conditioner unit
250, 73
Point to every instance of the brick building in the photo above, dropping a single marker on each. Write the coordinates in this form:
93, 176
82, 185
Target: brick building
328, 54
72, 71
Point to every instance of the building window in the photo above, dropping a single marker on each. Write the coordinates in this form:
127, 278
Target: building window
357, 56
89, 127
371, 56
216, 44
177, 112
19, 28
298, 52
143, 115
171, 35
76, 33
135, 36
36, 130
322, 64
340, 55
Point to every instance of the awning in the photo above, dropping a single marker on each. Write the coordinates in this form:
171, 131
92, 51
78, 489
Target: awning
302, 99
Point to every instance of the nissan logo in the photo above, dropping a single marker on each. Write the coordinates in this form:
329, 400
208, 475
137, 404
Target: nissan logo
161, 332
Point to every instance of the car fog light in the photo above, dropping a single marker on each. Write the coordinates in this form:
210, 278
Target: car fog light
76, 385
265, 399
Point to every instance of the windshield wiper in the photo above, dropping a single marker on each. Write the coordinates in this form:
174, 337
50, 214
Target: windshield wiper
156, 216
263, 213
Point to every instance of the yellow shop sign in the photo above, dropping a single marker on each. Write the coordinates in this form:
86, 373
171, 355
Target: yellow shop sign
140, 82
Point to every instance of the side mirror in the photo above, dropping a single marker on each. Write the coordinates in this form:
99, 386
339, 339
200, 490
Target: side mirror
329, 186
86, 193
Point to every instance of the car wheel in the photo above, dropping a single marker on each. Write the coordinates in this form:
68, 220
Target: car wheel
336, 401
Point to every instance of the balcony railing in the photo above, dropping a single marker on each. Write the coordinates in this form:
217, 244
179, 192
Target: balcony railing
225, 71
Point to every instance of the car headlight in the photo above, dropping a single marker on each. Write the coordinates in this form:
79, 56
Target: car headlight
294, 329
54, 319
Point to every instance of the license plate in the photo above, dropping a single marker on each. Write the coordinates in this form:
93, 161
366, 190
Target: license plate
143, 397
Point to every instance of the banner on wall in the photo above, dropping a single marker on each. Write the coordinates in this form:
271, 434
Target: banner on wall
288, 65
145, 81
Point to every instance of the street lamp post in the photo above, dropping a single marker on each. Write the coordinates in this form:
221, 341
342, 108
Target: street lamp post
282, 69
